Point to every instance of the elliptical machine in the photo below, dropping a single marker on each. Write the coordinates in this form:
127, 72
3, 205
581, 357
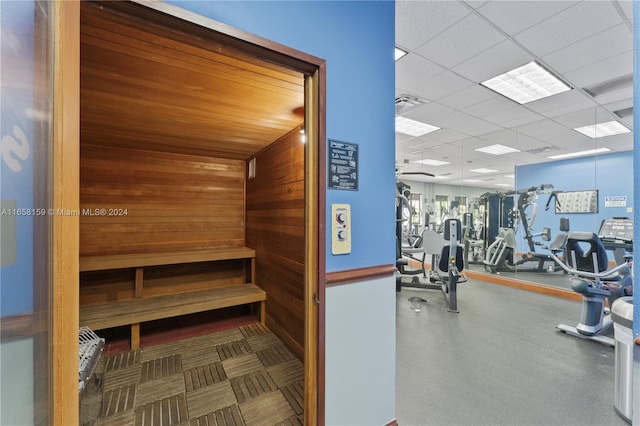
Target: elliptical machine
585, 259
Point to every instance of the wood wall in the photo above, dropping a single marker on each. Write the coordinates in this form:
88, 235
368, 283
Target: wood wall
158, 201
275, 229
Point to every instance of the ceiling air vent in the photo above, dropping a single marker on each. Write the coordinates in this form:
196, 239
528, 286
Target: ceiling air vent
610, 85
625, 112
542, 149
407, 102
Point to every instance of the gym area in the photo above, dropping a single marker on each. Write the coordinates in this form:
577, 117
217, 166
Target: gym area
552, 309
514, 216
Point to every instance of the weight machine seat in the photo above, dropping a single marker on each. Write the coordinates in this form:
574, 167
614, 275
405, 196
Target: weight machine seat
443, 263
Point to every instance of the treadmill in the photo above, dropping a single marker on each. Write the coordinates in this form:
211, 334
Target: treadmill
616, 235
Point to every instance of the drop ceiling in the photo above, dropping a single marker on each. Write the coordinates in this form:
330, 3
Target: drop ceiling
454, 45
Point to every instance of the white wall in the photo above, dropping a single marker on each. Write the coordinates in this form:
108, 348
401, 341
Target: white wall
360, 353
16, 386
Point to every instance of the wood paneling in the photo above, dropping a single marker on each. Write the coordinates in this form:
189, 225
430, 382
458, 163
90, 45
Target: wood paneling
64, 264
360, 274
153, 88
276, 230
157, 202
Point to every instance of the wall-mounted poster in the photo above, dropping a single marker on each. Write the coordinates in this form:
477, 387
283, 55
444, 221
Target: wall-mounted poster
343, 165
577, 202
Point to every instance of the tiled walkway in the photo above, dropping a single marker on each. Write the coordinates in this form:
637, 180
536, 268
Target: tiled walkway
243, 376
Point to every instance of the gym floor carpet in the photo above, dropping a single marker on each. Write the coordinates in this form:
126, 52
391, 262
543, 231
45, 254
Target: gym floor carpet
500, 361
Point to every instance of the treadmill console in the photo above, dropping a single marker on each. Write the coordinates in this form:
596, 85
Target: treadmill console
617, 233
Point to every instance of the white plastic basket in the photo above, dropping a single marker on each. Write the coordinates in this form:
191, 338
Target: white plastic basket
90, 348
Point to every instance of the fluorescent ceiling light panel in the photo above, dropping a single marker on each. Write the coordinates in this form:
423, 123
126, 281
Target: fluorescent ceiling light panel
441, 177
430, 162
471, 180
504, 184
400, 53
579, 154
497, 149
510, 176
413, 127
603, 129
483, 170
528, 83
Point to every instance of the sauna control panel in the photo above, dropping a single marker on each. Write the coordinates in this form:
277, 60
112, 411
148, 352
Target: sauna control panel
340, 229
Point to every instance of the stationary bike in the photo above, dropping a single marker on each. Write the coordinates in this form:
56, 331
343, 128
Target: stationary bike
586, 261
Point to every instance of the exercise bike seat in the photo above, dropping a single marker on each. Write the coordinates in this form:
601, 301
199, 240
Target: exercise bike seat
586, 253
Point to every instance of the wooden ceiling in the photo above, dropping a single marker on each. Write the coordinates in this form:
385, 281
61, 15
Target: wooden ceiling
147, 87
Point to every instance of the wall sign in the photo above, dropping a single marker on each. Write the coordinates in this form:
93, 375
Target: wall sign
615, 201
343, 165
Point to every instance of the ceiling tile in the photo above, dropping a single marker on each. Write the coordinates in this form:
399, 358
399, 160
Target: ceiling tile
430, 113
517, 112
603, 45
605, 70
520, 121
503, 137
539, 129
466, 97
418, 22
515, 16
569, 26
461, 42
444, 136
627, 8
616, 96
575, 99
494, 61
412, 70
440, 85
496, 104
467, 124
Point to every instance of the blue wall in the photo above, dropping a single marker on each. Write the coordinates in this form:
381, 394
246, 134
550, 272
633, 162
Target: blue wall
357, 41
609, 174
16, 152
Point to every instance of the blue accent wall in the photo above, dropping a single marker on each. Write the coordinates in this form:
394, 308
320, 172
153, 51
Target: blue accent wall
16, 156
610, 174
357, 40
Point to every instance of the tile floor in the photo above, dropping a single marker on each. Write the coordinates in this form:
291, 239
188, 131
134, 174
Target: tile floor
242, 376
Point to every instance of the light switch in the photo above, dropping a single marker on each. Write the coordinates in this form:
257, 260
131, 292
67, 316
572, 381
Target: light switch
340, 229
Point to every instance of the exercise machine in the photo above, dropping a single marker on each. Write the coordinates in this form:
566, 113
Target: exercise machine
616, 235
447, 264
586, 261
473, 239
527, 213
499, 254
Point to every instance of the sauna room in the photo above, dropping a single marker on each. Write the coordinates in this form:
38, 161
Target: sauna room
192, 224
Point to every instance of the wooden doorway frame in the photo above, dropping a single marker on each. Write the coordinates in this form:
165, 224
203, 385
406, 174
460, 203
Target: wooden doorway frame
66, 119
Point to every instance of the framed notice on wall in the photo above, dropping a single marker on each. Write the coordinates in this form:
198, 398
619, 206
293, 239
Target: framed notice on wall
577, 202
343, 165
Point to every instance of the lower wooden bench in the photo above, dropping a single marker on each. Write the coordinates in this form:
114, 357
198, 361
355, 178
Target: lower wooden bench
135, 311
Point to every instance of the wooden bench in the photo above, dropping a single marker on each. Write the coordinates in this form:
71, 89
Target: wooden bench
141, 309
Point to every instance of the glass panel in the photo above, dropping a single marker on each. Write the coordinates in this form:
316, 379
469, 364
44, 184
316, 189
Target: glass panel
25, 82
